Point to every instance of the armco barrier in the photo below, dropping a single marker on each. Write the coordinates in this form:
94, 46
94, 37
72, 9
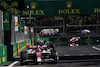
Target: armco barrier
3, 54
44, 38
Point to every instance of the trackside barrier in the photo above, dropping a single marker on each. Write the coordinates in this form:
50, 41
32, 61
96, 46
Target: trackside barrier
90, 40
62, 41
15, 49
18, 47
44, 38
32, 41
57, 44
22, 46
3, 54
59, 41
29, 42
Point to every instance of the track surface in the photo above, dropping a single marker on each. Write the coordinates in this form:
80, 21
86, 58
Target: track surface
78, 51
81, 56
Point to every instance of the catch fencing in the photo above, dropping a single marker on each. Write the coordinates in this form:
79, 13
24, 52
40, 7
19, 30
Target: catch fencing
72, 30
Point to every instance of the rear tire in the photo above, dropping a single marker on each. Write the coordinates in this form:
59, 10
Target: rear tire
35, 60
23, 57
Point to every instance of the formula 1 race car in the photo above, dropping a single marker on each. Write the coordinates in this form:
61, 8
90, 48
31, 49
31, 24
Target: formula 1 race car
39, 54
74, 41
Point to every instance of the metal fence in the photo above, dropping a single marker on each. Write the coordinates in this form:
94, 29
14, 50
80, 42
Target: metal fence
72, 30
76, 30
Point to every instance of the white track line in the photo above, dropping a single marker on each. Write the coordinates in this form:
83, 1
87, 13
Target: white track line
13, 64
96, 48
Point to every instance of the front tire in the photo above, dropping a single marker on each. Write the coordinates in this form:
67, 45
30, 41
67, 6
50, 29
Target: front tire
54, 56
23, 57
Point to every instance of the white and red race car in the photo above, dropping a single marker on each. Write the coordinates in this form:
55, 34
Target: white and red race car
48, 32
74, 41
38, 54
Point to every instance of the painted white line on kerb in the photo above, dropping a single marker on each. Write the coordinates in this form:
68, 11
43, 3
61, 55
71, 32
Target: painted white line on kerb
96, 48
13, 64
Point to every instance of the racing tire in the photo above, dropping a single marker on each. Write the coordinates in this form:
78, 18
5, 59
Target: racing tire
77, 42
35, 60
23, 56
54, 56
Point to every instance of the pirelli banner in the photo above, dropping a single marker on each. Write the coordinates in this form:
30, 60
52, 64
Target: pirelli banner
60, 7
3, 54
